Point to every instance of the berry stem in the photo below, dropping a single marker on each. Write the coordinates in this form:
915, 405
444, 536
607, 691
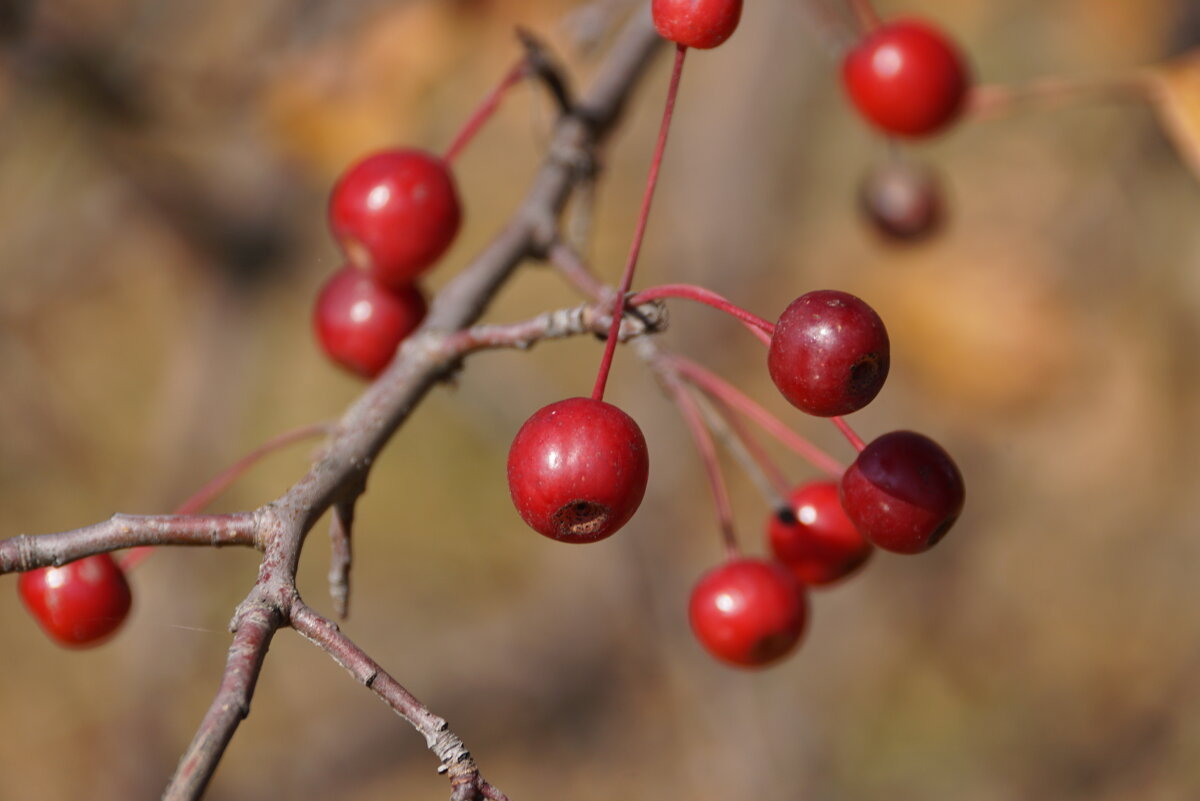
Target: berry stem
716, 386
997, 100
864, 12
487, 107
761, 328
766, 474
849, 433
690, 410
220, 482
610, 347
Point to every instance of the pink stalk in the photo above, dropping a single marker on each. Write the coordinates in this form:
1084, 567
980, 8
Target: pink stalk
763, 329
485, 110
726, 392
639, 232
221, 482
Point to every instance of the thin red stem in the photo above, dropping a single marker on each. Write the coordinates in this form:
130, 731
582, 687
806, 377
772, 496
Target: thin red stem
763, 329
610, 347
849, 433
864, 12
694, 418
222, 481
485, 110
722, 390
775, 476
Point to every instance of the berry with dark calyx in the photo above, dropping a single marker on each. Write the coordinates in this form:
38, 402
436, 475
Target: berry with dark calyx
907, 78
829, 354
903, 492
748, 612
702, 24
902, 201
360, 323
79, 604
814, 537
577, 470
395, 213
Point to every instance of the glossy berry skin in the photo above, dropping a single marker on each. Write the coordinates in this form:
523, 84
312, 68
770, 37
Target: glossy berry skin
359, 323
815, 538
903, 492
907, 78
702, 24
829, 354
902, 201
79, 604
577, 470
748, 612
395, 213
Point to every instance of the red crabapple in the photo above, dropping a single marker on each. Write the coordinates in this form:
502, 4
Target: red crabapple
577, 470
80, 603
814, 537
829, 354
702, 24
395, 213
903, 492
748, 612
360, 323
907, 78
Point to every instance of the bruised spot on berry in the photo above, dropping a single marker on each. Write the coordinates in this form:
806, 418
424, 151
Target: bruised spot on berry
941, 530
864, 375
771, 647
580, 519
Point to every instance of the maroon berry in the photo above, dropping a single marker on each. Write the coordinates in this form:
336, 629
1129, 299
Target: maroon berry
577, 470
702, 24
748, 612
907, 78
360, 323
79, 604
814, 537
903, 492
395, 213
829, 355
902, 201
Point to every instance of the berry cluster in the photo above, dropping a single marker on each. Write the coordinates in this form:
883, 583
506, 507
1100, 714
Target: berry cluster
394, 213
828, 356
578, 468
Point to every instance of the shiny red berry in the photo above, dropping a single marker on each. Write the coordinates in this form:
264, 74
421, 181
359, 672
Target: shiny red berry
79, 604
814, 537
902, 201
748, 612
903, 492
829, 354
360, 323
702, 24
907, 78
395, 213
577, 470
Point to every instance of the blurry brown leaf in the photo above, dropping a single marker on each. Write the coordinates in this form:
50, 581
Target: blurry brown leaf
1176, 88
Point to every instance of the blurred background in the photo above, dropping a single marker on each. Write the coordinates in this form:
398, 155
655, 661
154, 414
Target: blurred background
163, 174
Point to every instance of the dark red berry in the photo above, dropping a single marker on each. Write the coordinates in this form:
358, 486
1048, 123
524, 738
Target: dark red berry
395, 213
829, 354
696, 23
79, 604
748, 612
577, 470
360, 323
814, 537
907, 78
902, 201
903, 492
